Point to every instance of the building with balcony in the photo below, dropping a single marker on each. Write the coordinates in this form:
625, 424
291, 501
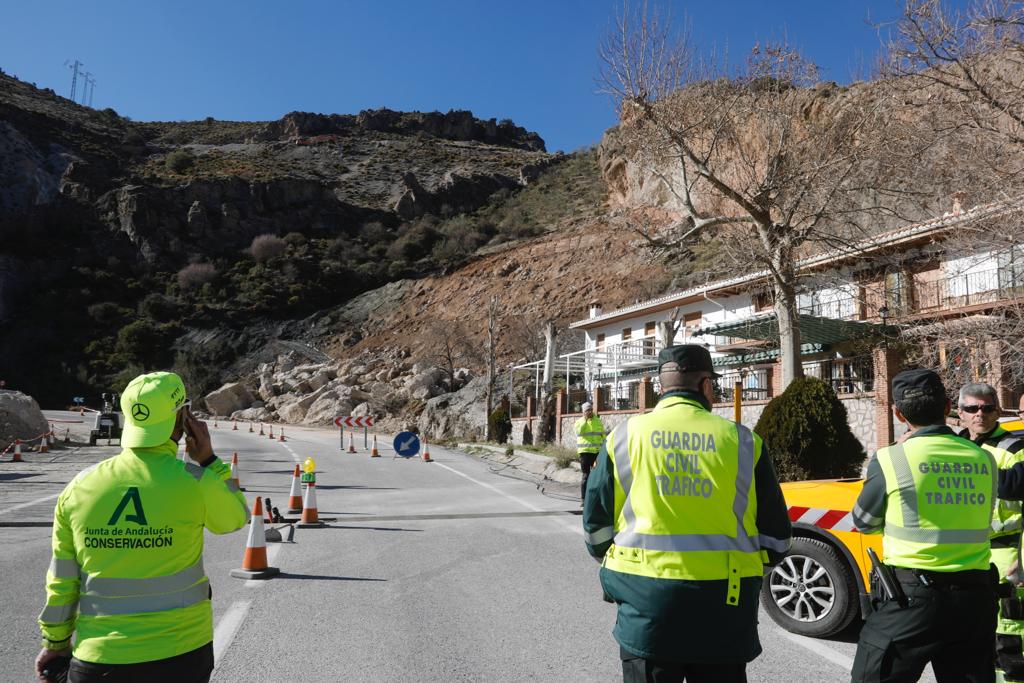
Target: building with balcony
854, 303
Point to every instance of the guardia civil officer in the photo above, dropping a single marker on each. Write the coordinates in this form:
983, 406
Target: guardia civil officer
931, 498
127, 573
683, 510
978, 408
589, 437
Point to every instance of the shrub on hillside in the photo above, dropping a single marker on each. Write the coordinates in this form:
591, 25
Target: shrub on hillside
501, 425
266, 247
159, 307
195, 275
179, 161
807, 434
294, 239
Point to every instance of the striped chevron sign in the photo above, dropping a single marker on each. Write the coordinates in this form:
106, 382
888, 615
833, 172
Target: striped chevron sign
346, 421
836, 520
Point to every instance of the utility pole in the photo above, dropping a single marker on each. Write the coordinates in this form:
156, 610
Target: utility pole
92, 90
87, 78
74, 75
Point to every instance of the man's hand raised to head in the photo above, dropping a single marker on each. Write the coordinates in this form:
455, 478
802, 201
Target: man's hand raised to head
197, 439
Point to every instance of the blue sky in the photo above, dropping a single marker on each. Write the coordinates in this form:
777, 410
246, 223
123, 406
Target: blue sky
532, 61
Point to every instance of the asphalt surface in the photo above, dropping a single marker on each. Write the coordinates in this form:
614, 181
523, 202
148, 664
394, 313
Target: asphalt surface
443, 571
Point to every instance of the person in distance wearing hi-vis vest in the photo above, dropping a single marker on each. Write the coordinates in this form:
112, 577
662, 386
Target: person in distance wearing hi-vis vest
931, 498
127, 571
684, 510
979, 412
589, 437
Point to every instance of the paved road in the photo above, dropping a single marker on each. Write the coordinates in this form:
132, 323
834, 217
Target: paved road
439, 571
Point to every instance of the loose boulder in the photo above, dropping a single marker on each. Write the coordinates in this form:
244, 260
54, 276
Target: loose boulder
229, 398
20, 417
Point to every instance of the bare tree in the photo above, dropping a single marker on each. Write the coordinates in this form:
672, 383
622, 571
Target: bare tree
449, 346
668, 328
546, 410
492, 370
774, 160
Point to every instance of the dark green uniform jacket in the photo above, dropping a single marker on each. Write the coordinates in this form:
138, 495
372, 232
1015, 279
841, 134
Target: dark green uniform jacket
676, 619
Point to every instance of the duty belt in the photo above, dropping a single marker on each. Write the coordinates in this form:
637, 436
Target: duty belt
967, 579
1007, 541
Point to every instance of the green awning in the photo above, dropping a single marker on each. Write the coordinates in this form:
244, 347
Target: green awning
813, 329
762, 355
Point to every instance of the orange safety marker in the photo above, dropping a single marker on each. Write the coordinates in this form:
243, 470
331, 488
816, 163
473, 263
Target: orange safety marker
254, 562
261, 429
44, 444
374, 453
234, 425
234, 471
351, 441
271, 431
282, 435
309, 518
426, 450
295, 497
16, 456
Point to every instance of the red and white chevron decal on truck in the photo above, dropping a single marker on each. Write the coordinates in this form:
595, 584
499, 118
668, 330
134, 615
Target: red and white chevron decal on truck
833, 520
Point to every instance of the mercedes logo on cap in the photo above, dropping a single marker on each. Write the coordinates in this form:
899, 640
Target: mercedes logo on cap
140, 412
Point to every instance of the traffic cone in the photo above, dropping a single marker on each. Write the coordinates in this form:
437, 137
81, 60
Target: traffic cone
295, 497
373, 451
282, 435
44, 444
351, 441
254, 562
309, 516
261, 429
271, 431
426, 450
16, 456
234, 471
234, 425
250, 428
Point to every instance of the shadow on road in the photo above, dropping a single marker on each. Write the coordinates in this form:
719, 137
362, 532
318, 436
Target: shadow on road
334, 487
322, 577
369, 528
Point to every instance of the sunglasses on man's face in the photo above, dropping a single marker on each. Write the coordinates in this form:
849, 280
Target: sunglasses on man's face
985, 408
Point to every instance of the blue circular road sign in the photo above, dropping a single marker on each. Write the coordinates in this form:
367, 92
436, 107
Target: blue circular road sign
407, 444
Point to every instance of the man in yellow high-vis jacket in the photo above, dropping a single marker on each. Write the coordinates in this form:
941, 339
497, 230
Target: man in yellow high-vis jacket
978, 408
126, 576
931, 497
589, 437
683, 511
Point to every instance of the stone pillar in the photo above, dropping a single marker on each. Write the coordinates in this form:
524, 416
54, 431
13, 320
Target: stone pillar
646, 390
531, 406
887, 363
598, 401
776, 378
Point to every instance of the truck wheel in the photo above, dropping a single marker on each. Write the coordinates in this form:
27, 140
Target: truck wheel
812, 592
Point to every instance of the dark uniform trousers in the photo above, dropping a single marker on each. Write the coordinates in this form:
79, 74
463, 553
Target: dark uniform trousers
586, 464
951, 626
191, 667
638, 670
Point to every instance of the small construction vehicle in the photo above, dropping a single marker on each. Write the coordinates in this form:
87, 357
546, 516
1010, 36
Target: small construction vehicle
109, 421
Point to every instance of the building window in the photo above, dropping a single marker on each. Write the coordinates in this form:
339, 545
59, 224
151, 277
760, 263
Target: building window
762, 302
600, 342
627, 333
692, 320
1011, 268
649, 334
897, 292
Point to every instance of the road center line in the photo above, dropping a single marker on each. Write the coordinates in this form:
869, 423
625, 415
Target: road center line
819, 648
227, 627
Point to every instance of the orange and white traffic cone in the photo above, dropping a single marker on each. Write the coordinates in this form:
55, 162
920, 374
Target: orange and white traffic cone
234, 471
16, 456
282, 435
426, 450
374, 453
234, 425
271, 431
309, 517
295, 497
351, 441
261, 429
254, 562
250, 428
44, 444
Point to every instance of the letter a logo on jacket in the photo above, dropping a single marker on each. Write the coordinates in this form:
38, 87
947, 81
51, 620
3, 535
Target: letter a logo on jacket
131, 495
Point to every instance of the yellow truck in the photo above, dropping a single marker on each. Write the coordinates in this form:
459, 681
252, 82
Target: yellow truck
822, 585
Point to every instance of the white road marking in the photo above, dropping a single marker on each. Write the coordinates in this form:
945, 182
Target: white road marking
227, 627
820, 649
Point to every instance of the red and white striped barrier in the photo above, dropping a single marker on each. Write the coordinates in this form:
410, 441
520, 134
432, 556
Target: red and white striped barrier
823, 518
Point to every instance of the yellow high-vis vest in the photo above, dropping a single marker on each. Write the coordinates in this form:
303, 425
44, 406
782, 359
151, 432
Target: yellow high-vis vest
685, 504
940, 492
589, 435
127, 572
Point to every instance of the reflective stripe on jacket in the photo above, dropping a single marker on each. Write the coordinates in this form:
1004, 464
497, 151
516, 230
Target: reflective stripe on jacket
1006, 516
685, 503
939, 498
589, 435
127, 568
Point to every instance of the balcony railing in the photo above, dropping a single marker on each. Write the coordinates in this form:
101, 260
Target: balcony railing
755, 385
957, 291
845, 375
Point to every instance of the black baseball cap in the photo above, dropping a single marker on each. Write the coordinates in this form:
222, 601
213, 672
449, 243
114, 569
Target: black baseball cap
688, 357
919, 383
